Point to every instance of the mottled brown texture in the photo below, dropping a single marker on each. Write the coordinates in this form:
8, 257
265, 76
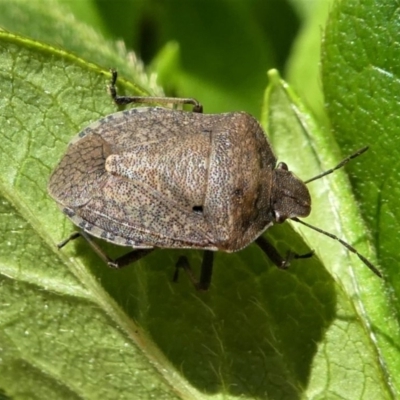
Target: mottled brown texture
155, 177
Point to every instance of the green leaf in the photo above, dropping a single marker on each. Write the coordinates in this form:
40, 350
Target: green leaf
72, 328
56, 326
311, 150
303, 66
173, 340
360, 71
51, 22
88, 11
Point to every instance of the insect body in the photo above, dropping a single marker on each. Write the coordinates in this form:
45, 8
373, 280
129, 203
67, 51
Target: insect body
153, 177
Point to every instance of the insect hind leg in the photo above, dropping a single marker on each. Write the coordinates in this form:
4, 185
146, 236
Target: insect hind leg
119, 262
206, 270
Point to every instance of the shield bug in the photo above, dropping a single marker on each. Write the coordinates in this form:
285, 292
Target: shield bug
153, 177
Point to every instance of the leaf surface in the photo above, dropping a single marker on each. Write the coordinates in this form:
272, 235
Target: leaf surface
75, 329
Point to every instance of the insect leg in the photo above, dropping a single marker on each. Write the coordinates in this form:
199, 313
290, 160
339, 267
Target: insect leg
122, 100
275, 257
119, 262
206, 270
129, 258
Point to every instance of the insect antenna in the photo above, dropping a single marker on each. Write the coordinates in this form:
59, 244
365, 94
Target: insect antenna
332, 236
345, 244
340, 165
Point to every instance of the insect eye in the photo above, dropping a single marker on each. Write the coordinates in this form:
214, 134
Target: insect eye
283, 166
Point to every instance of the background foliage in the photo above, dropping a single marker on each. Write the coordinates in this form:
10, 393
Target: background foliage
327, 328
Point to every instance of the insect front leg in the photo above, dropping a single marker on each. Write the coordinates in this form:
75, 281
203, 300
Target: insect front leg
275, 257
123, 100
206, 270
119, 262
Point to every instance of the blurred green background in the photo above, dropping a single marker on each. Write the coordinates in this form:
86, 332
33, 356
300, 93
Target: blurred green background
216, 51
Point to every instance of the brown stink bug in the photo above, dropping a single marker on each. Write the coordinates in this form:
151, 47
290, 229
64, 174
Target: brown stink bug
153, 177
